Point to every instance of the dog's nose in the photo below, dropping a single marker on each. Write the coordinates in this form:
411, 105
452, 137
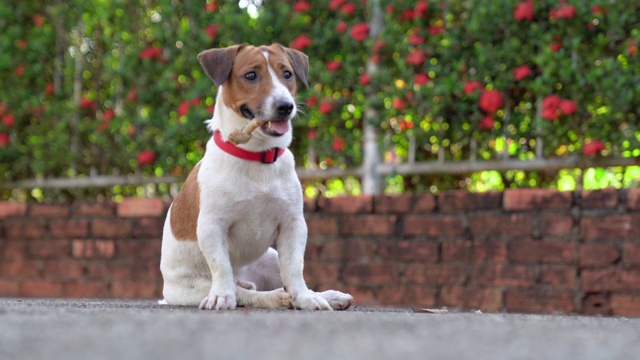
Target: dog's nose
284, 108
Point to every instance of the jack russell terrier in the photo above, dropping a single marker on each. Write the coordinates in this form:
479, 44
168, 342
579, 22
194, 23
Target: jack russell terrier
239, 200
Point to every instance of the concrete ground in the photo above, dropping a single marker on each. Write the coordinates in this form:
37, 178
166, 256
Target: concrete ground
115, 329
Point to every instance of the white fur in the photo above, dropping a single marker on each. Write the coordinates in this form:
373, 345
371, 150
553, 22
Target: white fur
245, 207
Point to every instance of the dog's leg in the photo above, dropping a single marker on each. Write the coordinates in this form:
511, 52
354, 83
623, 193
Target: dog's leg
212, 240
291, 242
337, 300
274, 299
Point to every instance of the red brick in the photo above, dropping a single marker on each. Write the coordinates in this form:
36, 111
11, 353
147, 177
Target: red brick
19, 268
69, 228
41, 288
407, 295
556, 225
488, 252
11, 208
135, 289
111, 228
9, 288
536, 199
312, 251
368, 225
98, 269
461, 200
12, 250
93, 249
322, 225
121, 270
631, 254
599, 199
423, 203
559, 277
633, 198
49, 210
542, 252
148, 228
309, 205
139, 207
127, 249
346, 204
625, 305
146, 270
403, 251
149, 249
25, 230
610, 279
596, 304
392, 204
348, 250
435, 274
626, 226
484, 299
321, 273
87, 289
362, 295
598, 254
48, 249
504, 275
435, 226
492, 226
86, 208
63, 269
370, 273
539, 301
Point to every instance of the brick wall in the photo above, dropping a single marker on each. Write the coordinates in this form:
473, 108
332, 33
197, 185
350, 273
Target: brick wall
526, 250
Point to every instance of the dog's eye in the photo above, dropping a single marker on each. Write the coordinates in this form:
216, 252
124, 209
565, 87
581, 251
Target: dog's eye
251, 75
287, 74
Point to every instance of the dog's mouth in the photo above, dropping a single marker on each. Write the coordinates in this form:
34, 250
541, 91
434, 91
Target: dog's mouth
277, 127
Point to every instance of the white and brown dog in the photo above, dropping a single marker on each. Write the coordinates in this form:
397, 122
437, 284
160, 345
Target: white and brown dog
240, 200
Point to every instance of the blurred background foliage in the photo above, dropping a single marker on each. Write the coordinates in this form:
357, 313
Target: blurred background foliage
113, 87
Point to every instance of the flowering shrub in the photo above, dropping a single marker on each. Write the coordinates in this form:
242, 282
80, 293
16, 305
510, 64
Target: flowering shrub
100, 87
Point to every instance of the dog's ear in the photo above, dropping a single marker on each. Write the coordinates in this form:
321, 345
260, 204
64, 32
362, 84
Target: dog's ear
300, 63
217, 63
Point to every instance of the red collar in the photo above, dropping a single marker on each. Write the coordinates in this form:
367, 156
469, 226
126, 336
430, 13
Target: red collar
266, 157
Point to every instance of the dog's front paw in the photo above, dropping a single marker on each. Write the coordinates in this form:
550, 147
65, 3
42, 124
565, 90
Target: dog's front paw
337, 300
310, 300
219, 302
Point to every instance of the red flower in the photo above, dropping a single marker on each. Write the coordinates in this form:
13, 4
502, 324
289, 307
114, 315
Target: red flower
365, 79
348, 9
334, 4
333, 65
407, 15
359, 32
312, 134
22, 43
490, 101
210, 108
195, 101
325, 107
389, 9
211, 7
49, 89
416, 40
342, 27
563, 11
108, 115
301, 42
521, 72
568, 107
38, 20
399, 104
312, 101
436, 30
416, 57
486, 123
338, 144
597, 10
551, 107
421, 79
592, 148
146, 157
632, 49
404, 124
131, 96
150, 53
421, 9
556, 45
212, 31
20, 69
523, 11
87, 104
472, 86
8, 120
4, 139
183, 109
301, 6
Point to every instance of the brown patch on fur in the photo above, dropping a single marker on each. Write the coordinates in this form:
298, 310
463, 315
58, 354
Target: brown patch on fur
185, 209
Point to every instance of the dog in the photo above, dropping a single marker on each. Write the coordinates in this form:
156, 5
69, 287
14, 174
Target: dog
240, 200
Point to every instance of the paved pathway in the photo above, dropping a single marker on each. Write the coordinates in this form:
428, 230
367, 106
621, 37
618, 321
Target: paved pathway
120, 330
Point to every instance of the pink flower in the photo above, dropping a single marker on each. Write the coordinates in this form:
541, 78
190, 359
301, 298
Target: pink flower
435, 30
342, 27
301, 6
212, 31
20, 69
325, 107
4, 139
183, 109
348, 9
472, 86
416, 57
301, 42
568, 107
87, 104
146, 157
8, 120
523, 11
421, 9
556, 45
48, 89
108, 115
416, 40
312, 101
592, 148
521, 72
150, 53
359, 32
334, 4
338, 144
421, 79
211, 7
551, 107
490, 101
365, 79
563, 11
399, 104
487, 123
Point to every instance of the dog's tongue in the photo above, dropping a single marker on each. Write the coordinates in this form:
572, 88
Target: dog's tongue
280, 127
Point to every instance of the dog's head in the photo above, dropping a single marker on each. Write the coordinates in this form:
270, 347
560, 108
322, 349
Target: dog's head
257, 82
